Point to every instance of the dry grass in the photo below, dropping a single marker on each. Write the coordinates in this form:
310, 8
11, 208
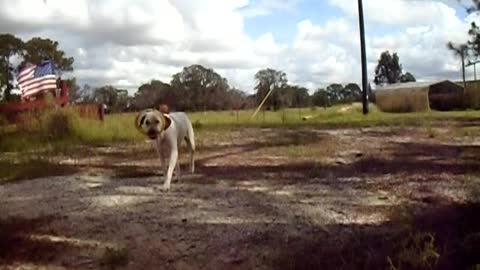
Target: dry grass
403, 100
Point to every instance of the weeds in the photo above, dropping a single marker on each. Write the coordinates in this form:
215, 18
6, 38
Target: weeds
431, 132
416, 251
58, 124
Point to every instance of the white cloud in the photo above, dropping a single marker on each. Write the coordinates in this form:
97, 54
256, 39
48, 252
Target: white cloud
267, 7
127, 43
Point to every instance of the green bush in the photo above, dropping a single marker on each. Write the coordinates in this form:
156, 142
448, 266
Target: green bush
58, 124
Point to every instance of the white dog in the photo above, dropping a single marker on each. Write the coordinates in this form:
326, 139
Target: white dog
168, 131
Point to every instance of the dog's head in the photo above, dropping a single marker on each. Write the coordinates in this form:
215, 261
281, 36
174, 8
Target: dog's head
152, 123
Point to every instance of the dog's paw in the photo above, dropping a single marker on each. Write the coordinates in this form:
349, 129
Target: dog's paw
165, 188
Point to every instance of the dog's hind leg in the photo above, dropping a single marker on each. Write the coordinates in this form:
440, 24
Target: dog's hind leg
191, 145
177, 171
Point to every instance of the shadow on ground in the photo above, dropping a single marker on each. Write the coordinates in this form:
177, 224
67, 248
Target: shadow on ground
215, 221
446, 237
16, 244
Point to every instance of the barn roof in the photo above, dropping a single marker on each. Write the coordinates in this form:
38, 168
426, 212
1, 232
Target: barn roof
395, 86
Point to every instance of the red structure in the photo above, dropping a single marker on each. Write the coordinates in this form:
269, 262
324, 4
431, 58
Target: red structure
13, 110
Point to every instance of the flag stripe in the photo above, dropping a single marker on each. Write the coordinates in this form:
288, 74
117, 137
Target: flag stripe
33, 82
34, 79
25, 75
37, 90
26, 70
47, 83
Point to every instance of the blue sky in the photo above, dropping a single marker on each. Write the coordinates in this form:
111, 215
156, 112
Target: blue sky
283, 23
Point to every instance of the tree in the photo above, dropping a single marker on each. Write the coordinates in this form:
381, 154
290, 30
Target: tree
38, 49
407, 77
320, 98
237, 99
115, 99
352, 93
9, 46
201, 88
460, 50
472, 46
299, 96
152, 94
474, 42
270, 79
335, 93
474, 7
86, 94
388, 69
74, 91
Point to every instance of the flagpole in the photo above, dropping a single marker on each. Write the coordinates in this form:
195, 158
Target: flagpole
9, 87
261, 103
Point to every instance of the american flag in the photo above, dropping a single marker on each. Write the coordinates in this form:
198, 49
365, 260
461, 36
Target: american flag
33, 79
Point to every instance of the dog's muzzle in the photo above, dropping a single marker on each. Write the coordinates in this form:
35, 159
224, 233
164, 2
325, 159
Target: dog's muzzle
152, 134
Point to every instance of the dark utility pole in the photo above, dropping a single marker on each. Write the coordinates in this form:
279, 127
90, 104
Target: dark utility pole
364, 58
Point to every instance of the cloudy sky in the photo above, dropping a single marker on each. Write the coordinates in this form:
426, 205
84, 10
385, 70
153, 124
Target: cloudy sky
126, 43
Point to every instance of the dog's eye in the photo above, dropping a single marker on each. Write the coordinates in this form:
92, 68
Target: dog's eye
147, 122
156, 121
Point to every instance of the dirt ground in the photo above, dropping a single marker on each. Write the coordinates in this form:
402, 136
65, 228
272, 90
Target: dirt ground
260, 199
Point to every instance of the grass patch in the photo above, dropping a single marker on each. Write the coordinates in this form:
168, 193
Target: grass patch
32, 168
64, 127
469, 132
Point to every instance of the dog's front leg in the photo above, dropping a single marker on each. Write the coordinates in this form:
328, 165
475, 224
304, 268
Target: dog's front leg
164, 163
171, 166
161, 155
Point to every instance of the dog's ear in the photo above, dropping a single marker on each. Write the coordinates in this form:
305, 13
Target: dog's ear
139, 119
168, 121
